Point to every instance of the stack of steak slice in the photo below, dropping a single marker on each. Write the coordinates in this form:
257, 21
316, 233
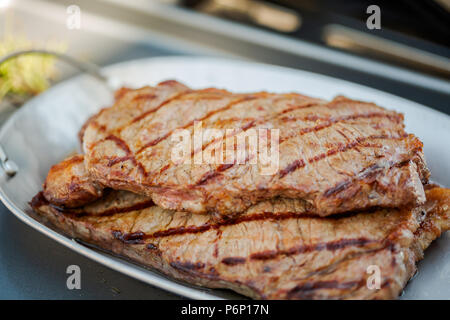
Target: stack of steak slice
350, 195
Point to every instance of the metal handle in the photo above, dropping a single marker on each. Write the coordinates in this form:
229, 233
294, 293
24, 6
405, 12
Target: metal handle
8, 165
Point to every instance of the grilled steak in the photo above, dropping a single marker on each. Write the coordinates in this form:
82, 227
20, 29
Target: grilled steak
333, 156
275, 250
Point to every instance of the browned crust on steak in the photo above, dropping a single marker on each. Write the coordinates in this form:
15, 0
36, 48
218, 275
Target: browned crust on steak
68, 184
336, 156
274, 250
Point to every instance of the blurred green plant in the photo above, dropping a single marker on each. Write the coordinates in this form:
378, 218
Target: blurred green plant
28, 75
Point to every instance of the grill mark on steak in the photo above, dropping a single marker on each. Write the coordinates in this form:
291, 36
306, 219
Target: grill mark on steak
115, 160
214, 173
329, 246
88, 122
129, 238
253, 123
182, 230
187, 266
162, 104
140, 237
216, 245
100, 127
138, 206
109, 212
224, 223
313, 117
364, 173
92, 120
347, 258
306, 290
300, 163
328, 122
249, 125
209, 114
129, 155
244, 128
272, 254
232, 261
208, 226
120, 143
358, 142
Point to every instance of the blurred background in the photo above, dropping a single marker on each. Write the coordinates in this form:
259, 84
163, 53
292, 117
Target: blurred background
408, 56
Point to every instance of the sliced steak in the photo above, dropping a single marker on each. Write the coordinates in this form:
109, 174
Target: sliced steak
335, 156
275, 250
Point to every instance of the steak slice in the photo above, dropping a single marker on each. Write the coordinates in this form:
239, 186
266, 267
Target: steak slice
335, 156
275, 250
